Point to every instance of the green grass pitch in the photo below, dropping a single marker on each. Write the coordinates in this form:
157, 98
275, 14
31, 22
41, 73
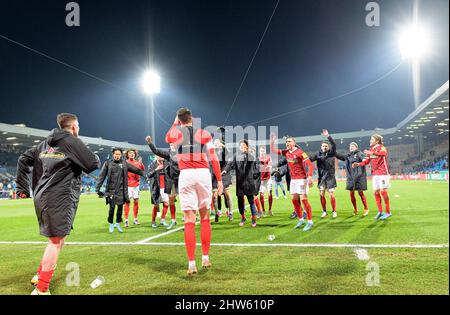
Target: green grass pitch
420, 216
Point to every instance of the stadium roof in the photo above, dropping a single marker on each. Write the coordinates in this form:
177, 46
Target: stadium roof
21, 136
431, 119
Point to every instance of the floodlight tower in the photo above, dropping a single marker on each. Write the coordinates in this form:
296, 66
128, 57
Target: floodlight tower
151, 85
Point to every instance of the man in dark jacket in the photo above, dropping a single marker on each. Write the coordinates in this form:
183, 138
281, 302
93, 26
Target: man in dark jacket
224, 158
158, 179
56, 185
278, 173
172, 173
356, 177
116, 192
247, 173
326, 165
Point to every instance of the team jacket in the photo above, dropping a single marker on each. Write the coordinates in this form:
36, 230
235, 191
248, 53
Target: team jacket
56, 179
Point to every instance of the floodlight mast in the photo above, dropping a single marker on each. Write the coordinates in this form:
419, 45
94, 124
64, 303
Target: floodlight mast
151, 85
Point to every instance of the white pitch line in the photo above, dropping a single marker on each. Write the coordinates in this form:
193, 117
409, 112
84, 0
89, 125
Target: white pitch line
244, 245
159, 235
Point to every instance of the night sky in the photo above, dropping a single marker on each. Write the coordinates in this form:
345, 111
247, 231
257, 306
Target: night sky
312, 51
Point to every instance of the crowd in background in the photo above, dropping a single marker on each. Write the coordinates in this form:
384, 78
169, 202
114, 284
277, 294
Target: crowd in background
431, 162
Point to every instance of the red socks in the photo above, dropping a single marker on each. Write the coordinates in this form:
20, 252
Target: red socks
44, 280
172, 211
189, 240
298, 208
323, 201
261, 198
378, 201
154, 213
258, 204
333, 203
353, 199
270, 202
126, 210
308, 208
363, 199
164, 212
205, 235
135, 208
385, 195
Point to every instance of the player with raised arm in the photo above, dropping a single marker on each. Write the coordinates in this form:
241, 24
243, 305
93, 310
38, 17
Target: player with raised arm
301, 170
326, 165
134, 181
57, 164
194, 145
356, 177
266, 180
377, 156
171, 176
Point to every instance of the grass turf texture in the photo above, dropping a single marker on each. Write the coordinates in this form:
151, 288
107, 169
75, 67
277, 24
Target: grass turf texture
420, 217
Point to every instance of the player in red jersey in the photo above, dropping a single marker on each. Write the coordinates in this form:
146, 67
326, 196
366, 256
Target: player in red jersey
266, 180
195, 187
377, 156
301, 170
133, 186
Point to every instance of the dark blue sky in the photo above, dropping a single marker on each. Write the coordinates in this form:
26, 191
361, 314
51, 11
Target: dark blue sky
312, 51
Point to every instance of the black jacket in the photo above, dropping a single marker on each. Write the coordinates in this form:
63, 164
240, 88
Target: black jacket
247, 173
278, 173
224, 158
56, 180
282, 162
117, 183
326, 164
153, 179
356, 177
171, 167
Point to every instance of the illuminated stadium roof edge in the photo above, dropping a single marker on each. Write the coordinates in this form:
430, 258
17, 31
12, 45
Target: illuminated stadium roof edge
430, 118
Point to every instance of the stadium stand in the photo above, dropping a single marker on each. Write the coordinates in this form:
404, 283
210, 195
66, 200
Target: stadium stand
417, 145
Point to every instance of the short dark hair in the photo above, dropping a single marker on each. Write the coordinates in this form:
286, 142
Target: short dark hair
184, 115
116, 149
244, 141
64, 120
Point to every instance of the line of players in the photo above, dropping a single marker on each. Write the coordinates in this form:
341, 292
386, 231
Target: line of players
56, 165
253, 180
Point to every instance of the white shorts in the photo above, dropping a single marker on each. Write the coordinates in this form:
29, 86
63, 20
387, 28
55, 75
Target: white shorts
381, 182
133, 192
266, 185
331, 190
299, 186
164, 196
195, 189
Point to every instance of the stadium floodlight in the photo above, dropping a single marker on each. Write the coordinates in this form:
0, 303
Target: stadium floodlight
151, 83
413, 42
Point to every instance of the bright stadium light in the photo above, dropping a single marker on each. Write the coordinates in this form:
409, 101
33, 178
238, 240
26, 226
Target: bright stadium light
151, 83
413, 42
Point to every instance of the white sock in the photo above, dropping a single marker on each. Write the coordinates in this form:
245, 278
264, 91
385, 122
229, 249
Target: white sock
301, 220
191, 264
163, 220
205, 257
173, 220
310, 221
